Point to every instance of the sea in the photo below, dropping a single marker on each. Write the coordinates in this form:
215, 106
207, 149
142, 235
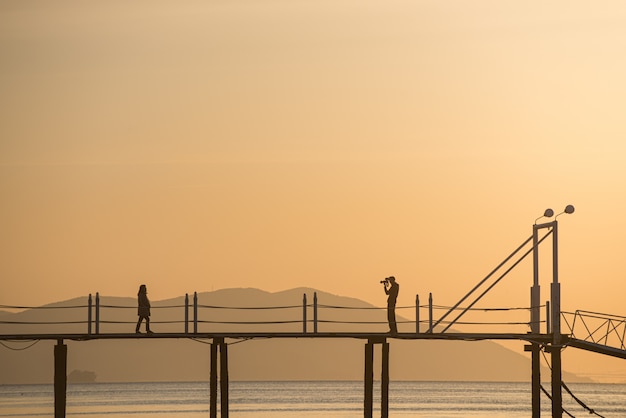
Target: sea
343, 399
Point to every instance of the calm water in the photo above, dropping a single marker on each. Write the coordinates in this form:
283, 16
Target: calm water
304, 399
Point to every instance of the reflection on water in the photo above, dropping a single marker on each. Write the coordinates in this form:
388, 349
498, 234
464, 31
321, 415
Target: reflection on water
302, 399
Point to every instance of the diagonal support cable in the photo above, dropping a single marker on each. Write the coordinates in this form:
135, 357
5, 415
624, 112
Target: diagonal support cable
481, 282
493, 284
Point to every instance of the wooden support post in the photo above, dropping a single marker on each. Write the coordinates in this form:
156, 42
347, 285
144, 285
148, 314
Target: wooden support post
195, 312
97, 313
384, 382
89, 304
213, 381
186, 313
224, 378
304, 314
60, 379
557, 395
430, 313
368, 404
315, 312
536, 380
417, 314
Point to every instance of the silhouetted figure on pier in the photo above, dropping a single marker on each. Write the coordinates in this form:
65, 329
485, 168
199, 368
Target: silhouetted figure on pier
391, 290
143, 309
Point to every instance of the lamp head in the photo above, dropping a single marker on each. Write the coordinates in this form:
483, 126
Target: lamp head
548, 213
569, 209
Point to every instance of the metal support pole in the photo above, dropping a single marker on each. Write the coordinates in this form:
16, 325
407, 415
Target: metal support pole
555, 352
384, 382
186, 313
557, 395
548, 322
195, 312
535, 297
315, 312
535, 309
224, 378
213, 381
97, 313
556, 287
60, 379
304, 313
417, 314
535, 292
368, 404
89, 305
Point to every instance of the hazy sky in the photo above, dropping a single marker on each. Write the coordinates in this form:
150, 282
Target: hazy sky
198, 145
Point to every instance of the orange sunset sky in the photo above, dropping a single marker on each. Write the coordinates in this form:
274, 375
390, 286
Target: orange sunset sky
199, 145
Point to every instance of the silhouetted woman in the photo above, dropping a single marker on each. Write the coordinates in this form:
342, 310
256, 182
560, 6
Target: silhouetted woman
143, 309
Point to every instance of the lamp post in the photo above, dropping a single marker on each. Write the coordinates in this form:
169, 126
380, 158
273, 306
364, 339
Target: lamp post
535, 303
555, 303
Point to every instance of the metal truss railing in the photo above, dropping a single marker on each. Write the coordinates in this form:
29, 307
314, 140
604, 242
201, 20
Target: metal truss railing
594, 327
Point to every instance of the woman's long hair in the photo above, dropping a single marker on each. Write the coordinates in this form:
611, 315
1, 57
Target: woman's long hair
142, 289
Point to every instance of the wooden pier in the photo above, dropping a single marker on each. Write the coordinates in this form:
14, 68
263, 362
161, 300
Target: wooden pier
552, 341
219, 358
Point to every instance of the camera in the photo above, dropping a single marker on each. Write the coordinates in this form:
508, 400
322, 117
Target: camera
386, 281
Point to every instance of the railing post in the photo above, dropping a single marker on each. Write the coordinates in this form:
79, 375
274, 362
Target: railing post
97, 313
304, 314
315, 312
89, 304
417, 314
195, 312
548, 323
186, 313
430, 313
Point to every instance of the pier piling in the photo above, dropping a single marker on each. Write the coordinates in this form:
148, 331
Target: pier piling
224, 379
384, 381
368, 401
213, 382
218, 348
60, 378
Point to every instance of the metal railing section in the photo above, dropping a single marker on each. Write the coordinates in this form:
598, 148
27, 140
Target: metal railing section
598, 328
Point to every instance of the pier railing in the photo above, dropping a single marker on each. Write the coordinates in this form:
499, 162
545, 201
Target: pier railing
109, 314
597, 328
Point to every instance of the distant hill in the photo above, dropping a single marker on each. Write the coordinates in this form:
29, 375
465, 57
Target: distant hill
287, 359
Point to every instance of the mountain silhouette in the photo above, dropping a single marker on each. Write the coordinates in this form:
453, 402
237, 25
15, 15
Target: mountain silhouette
186, 359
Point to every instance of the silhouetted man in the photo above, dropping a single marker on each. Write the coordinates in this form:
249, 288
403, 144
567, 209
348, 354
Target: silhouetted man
391, 289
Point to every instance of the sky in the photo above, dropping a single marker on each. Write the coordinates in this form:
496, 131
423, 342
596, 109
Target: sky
201, 145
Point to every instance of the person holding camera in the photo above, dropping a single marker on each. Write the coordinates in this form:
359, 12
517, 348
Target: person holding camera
391, 290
